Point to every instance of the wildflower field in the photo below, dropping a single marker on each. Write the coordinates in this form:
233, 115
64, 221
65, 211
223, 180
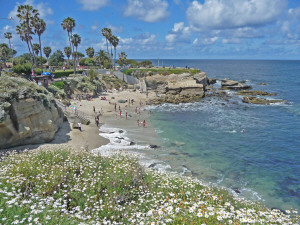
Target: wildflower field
61, 186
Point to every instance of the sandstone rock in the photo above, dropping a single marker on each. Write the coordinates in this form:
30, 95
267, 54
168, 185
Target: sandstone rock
261, 101
29, 122
248, 92
212, 81
201, 78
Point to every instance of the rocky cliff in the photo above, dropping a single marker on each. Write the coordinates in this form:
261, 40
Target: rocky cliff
28, 113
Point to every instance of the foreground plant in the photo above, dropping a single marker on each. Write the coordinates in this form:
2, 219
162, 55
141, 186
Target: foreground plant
60, 186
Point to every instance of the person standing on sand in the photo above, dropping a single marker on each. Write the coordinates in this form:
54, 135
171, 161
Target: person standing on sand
138, 122
79, 126
144, 123
136, 110
120, 113
126, 115
94, 109
119, 108
115, 107
97, 122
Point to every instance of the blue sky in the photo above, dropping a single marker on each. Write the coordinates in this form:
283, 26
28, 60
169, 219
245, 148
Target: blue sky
174, 29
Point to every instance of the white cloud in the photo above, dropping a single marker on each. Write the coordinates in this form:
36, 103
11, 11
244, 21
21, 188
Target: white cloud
231, 41
94, 27
179, 33
93, 5
148, 11
43, 8
116, 29
223, 14
195, 42
210, 41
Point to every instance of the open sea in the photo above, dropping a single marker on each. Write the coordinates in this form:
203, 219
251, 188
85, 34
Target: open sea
204, 139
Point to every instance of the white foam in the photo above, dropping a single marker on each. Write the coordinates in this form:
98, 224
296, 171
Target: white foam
118, 141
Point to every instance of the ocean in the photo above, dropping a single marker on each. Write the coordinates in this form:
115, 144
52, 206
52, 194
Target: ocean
204, 139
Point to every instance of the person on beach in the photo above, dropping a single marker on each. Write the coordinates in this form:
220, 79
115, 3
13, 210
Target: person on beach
120, 113
139, 111
126, 115
94, 109
136, 110
119, 108
97, 122
144, 123
115, 107
79, 126
138, 122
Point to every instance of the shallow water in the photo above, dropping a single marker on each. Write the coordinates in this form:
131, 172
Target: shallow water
204, 139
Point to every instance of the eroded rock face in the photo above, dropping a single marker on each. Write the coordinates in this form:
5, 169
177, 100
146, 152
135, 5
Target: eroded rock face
29, 121
233, 85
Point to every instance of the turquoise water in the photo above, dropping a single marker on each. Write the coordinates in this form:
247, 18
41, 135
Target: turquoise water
205, 138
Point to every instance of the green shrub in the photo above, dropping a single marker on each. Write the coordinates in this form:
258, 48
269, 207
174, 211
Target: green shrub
59, 84
66, 73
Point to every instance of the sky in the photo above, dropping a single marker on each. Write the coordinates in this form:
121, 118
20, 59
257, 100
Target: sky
169, 29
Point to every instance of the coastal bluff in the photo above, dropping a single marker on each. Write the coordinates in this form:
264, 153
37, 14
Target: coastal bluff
28, 113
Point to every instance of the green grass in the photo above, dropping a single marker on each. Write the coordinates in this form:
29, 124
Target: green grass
61, 73
60, 186
165, 71
59, 84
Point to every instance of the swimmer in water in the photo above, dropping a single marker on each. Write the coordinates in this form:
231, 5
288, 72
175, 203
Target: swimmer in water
243, 131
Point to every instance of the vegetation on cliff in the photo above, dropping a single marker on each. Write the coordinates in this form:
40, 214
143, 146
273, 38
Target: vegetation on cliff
16, 88
163, 71
60, 186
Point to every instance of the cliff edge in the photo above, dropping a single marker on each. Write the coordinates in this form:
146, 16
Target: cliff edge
28, 113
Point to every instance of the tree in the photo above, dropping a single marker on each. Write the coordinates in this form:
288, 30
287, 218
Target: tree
8, 35
56, 59
26, 13
106, 32
69, 24
90, 52
115, 42
76, 40
101, 57
39, 28
4, 53
36, 48
47, 52
122, 59
68, 52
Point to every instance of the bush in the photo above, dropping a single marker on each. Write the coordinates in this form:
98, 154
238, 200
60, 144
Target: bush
65, 73
59, 84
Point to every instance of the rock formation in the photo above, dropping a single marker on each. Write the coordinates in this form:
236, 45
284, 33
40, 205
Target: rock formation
29, 114
233, 85
261, 101
253, 92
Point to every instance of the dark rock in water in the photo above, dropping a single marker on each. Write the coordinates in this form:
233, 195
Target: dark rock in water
254, 92
236, 191
212, 81
153, 146
121, 131
111, 132
261, 101
120, 138
152, 165
261, 84
132, 143
174, 153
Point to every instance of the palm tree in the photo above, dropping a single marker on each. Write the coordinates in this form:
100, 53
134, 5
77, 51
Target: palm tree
4, 53
76, 40
69, 24
101, 56
122, 60
90, 52
22, 32
39, 28
25, 14
68, 52
115, 42
36, 48
47, 52
8, 35
106, 32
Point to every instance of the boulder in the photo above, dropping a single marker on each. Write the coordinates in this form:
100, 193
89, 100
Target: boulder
185, 87
261, 101
212, 81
